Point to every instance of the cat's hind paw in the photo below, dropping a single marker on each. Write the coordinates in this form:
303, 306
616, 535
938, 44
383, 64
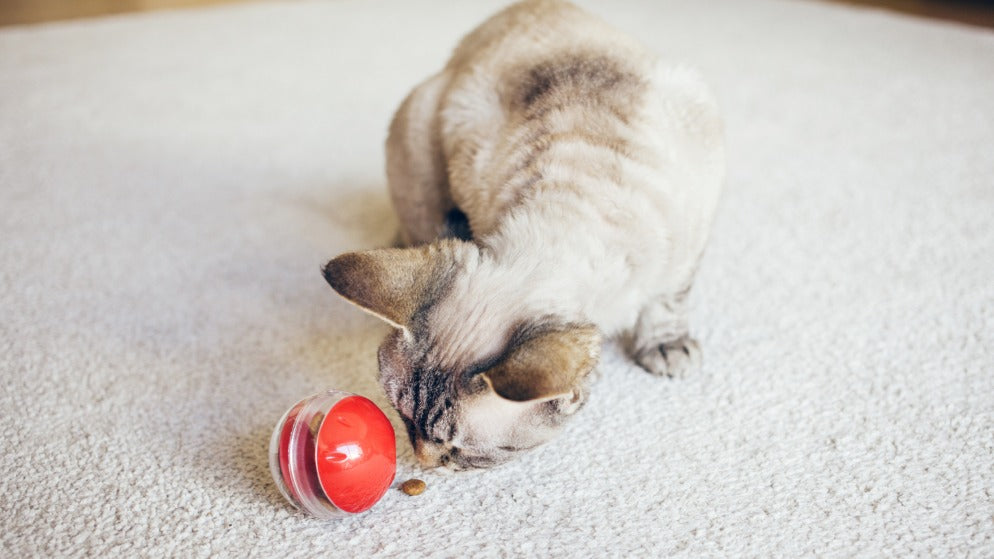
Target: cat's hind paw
672, 359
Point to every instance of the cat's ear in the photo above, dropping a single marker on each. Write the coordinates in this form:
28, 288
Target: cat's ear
548, 365
392, 283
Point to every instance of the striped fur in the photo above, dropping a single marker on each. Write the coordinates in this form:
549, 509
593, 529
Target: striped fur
572, 177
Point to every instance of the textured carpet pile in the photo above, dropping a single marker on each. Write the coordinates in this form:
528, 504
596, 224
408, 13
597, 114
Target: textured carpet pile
171, 183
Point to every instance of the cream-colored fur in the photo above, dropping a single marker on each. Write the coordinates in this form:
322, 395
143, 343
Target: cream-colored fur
609, 237
588, 171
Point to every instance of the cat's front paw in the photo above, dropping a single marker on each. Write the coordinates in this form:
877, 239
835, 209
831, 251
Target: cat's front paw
671, 359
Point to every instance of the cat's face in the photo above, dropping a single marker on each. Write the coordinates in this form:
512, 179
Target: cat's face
455, 418
474, 388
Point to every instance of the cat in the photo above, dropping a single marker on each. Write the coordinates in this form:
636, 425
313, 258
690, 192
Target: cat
555, 185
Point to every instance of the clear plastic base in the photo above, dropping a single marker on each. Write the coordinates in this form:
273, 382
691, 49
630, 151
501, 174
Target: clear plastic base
291, 455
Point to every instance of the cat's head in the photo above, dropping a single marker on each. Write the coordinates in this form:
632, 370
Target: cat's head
477, 376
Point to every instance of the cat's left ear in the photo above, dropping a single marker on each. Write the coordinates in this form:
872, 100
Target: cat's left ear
392, 283
548, 365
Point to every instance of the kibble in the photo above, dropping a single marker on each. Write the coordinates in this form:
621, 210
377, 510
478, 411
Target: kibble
413, 487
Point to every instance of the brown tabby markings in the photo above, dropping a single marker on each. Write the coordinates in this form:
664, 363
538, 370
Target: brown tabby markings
552, 95
593, 79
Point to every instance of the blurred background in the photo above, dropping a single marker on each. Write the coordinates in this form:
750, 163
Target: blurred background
12, 12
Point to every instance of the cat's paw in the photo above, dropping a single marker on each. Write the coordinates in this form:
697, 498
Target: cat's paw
671, 359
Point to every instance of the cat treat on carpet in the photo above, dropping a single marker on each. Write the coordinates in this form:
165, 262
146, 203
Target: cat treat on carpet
333, 454
413, 487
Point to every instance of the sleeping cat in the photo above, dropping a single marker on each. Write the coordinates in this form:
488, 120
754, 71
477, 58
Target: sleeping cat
555, 184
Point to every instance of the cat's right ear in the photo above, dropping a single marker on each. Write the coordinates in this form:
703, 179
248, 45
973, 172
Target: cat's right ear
391, 283
548, 365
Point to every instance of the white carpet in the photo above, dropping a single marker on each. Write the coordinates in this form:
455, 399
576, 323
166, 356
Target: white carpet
170, 184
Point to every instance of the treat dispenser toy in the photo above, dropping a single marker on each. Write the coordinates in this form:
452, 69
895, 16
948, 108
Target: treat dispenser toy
333, 454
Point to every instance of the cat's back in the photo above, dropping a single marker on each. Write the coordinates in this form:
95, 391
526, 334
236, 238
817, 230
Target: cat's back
544, 89
503, 81
529, 30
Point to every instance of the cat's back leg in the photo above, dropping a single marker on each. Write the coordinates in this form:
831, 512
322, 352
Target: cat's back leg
685, 114
416, 168
661, 343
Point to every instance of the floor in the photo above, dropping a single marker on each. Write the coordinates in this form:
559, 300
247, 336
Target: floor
171, 184
12, 12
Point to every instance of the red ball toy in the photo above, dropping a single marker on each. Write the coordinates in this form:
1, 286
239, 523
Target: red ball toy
333, 454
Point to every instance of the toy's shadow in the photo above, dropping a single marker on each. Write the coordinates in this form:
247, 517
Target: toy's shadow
249, 457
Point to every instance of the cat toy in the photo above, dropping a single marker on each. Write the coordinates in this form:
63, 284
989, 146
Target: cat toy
333, 454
